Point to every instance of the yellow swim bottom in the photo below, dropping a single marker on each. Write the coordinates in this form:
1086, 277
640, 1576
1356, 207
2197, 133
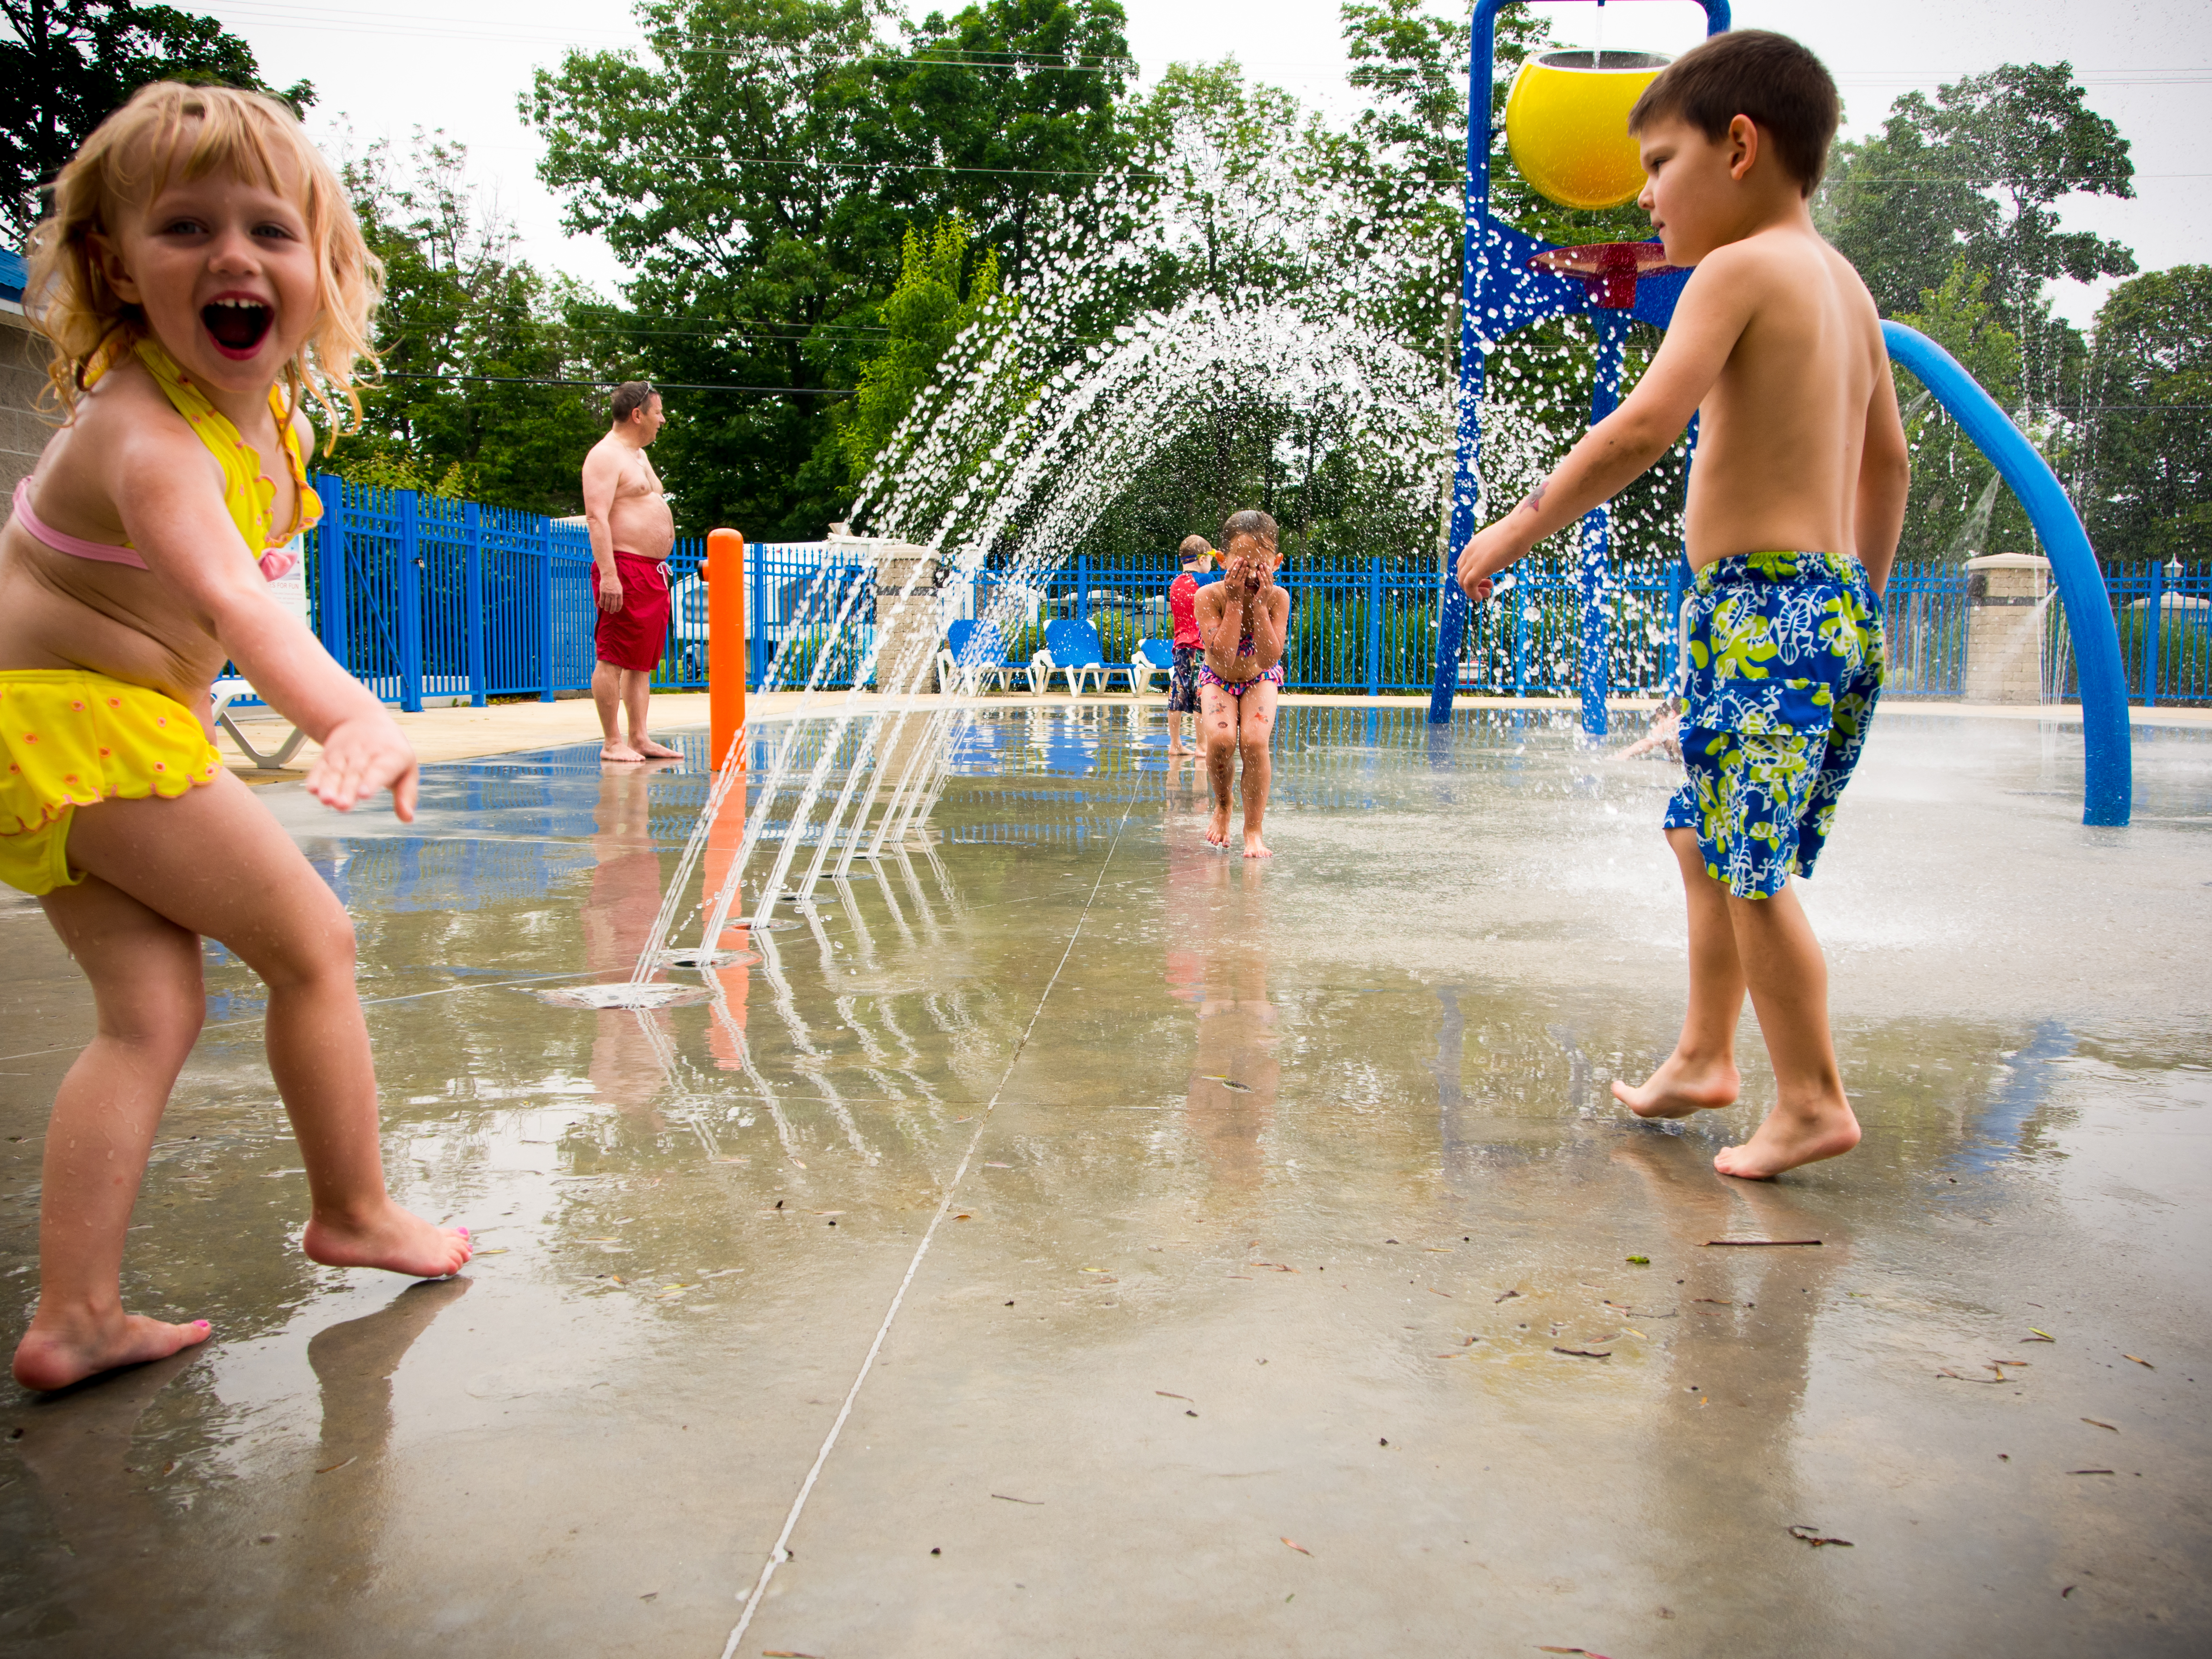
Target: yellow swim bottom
71, 738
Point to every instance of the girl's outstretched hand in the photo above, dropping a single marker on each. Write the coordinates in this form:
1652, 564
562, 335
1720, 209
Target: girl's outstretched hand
360, 757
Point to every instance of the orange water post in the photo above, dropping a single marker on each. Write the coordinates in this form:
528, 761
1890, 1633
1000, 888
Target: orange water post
726, 697
726, 642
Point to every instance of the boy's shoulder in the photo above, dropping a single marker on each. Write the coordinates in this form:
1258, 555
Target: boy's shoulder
1778, 265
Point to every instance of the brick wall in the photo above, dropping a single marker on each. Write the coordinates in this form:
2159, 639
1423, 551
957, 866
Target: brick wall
23, 431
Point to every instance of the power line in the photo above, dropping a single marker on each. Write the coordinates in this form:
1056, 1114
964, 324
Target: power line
657, 385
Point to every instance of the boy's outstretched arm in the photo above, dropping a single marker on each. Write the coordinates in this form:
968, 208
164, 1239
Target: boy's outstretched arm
1716, 304
1884, 483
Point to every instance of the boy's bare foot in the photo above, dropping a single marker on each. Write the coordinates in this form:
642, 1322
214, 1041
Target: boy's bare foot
1254, 848
1790, 1137
1217, 832
54, 1354
652, 750
393, 1239
1175, 747
1678, 1088
619, 751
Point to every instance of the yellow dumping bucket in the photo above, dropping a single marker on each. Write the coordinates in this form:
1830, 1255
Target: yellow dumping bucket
1566, 124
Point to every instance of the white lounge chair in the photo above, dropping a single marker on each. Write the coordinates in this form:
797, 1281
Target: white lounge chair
290, 591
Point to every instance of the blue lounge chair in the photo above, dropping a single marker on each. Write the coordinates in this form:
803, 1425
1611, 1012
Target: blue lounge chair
1072, 648
974, 653
1153, 657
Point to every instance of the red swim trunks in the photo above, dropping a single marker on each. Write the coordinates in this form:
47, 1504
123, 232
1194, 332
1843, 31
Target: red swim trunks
636, 635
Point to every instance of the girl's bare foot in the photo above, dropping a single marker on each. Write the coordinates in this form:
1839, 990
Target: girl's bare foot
619, 751
1217, 832
1680, 1087
1175, 747
1791, 1136
57, 1352
652, 750
1254, 848
391, 1239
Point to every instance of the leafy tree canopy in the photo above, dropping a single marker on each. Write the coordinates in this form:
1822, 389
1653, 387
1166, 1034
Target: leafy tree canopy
760, 174
934, 299
473, 343
1977, 174
2147, 461
73, 63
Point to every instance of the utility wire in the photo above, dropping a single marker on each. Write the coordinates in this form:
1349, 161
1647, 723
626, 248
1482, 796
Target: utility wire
657, 385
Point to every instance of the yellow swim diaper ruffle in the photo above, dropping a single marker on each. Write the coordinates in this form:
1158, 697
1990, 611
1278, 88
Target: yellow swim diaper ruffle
71, 738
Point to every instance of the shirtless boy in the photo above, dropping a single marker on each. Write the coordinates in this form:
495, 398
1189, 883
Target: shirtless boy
1243, 620
1794, 507
632, 534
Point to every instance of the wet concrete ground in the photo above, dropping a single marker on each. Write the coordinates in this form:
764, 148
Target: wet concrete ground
1069, 1240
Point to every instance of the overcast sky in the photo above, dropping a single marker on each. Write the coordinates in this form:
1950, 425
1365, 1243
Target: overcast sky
384, 70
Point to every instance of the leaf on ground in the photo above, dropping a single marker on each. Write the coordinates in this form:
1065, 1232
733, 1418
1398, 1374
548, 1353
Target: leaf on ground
998, 1166
1034, 1502
1508, 1296
1581, 1353
1164, 1395
328, 1469
1433, 1291
2088, 1471
1297, 1545
1641, 1260
2140, 1360
1812, 1536
786, 1653
963, 1216
2040, 1336
1957, 1377
2099, 1423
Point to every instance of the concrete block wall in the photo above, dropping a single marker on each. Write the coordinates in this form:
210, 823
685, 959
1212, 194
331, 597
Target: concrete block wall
2005, 600
23, 429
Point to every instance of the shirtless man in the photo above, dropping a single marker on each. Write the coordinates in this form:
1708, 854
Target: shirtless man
632, 534
1792, 521
1242, 621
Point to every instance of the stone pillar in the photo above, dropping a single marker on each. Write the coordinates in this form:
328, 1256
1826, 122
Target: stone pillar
914, 637
2005, 596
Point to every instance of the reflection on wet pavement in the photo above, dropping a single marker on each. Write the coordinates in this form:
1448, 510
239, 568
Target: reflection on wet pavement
1126, 1249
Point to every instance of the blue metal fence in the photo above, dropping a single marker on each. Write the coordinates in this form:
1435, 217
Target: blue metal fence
424, 598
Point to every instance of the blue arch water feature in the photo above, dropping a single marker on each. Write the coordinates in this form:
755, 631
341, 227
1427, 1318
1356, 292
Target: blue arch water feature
1501, 292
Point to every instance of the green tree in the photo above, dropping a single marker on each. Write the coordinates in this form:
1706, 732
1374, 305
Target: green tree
1978, 174
937, 296
72, 62
759, 175
470, 338
2146, 444
1959, 506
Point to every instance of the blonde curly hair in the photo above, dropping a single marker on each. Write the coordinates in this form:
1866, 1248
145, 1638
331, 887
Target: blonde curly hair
169, 130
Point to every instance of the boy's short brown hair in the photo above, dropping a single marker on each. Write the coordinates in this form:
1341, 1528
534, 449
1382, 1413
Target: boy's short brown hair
1782, 88
1194, 548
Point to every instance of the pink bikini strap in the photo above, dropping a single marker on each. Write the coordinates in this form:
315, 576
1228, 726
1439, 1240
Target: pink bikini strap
106, 552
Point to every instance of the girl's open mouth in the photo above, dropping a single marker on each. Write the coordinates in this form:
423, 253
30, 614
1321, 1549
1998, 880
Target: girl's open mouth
237, 325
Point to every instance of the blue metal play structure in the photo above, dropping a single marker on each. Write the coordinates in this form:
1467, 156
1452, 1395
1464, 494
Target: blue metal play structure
1505, 288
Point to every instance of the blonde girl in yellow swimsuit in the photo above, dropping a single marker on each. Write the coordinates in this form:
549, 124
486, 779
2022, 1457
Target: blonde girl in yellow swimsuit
199, 275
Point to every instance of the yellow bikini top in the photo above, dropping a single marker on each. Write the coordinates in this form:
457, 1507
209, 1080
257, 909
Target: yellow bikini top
248, 493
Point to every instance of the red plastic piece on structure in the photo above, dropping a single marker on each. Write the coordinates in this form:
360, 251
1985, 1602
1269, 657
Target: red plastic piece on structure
1608, 269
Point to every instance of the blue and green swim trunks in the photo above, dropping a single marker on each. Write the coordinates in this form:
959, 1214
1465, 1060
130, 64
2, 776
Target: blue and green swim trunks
1784, 664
